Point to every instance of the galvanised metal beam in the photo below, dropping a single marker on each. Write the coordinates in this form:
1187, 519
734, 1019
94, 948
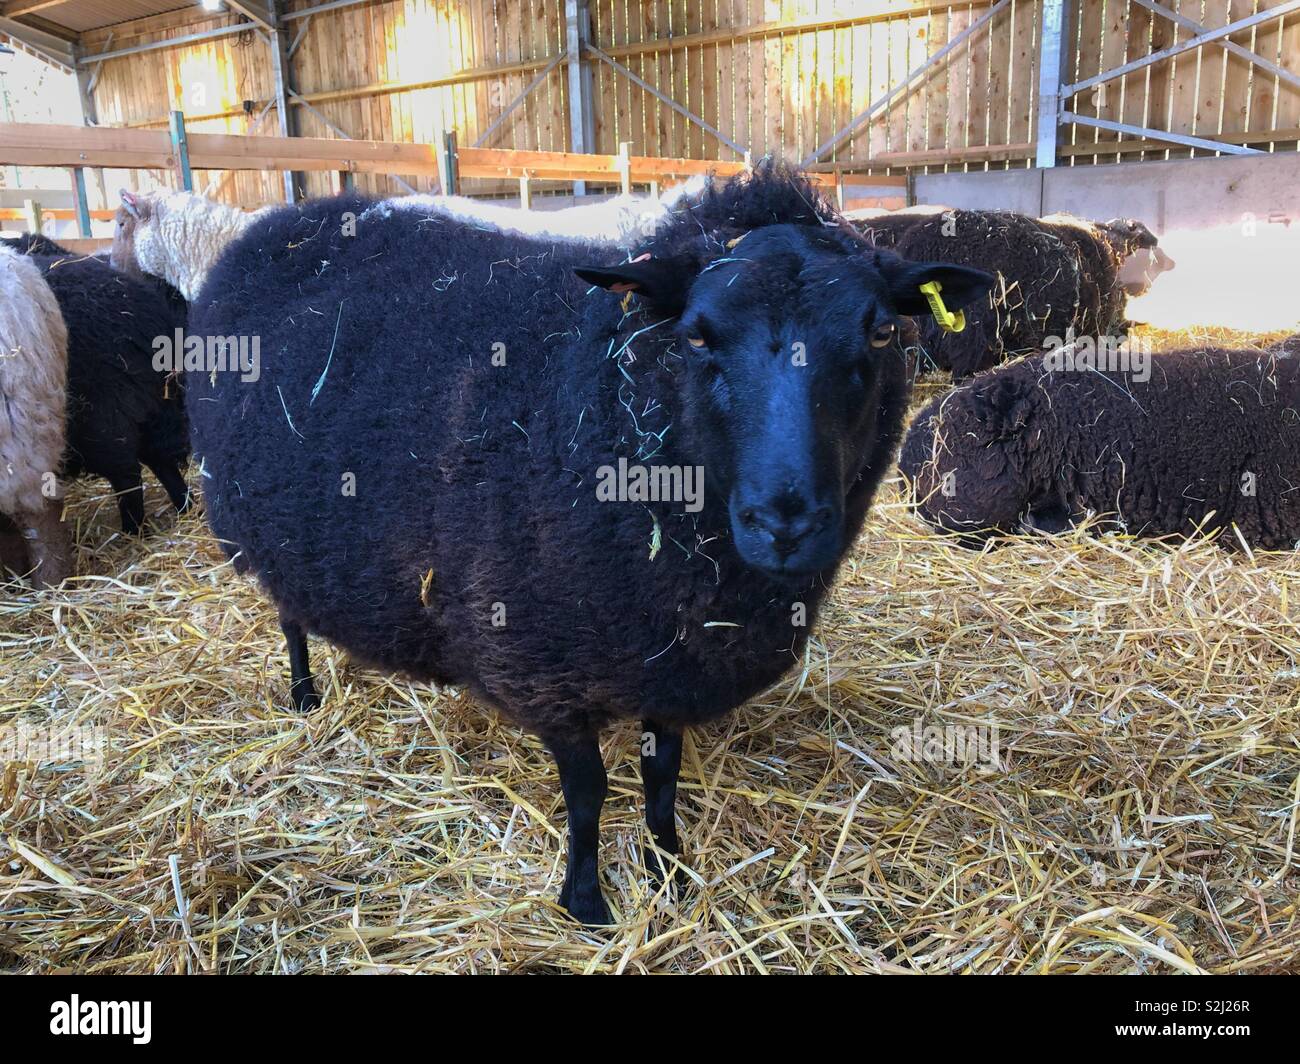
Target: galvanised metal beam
903, 86
497, 122
688, 115
281, 75
582, 124
171, 42
1160, 134
1186, 46
1053, 55
52, 49
1231, 46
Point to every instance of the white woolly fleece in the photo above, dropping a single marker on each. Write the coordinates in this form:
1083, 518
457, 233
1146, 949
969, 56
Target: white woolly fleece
622, 221
33, 384
183, 236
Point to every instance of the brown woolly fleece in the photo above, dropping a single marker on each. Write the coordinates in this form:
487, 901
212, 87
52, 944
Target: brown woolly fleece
1211, 439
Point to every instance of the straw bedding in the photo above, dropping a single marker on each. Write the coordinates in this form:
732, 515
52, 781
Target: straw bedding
1143, 818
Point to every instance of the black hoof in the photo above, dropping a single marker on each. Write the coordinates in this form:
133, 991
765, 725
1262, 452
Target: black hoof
586, 906
305, 698
660, 866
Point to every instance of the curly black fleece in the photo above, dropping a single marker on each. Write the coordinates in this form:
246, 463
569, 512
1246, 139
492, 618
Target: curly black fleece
121, 412
1053, 278
34, 244
1210, 431
475, 500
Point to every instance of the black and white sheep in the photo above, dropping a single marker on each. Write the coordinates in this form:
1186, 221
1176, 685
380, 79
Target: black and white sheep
33, 387
122, 411
1057, 277
467, 462
1182, 440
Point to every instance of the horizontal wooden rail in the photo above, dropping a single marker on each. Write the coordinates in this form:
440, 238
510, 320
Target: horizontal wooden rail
25, 144
62, 214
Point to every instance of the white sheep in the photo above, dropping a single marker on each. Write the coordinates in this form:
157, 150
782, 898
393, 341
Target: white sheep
621, 220
33, 430
177, 236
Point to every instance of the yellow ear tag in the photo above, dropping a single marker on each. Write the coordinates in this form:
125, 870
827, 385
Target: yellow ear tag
946, 319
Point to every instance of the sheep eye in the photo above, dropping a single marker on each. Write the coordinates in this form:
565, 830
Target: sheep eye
695, 341
883, 335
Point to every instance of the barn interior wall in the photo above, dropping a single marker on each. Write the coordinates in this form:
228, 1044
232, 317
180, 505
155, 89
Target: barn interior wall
773, 75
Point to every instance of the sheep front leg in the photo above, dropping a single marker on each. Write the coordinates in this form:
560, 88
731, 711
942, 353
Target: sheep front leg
661, 762
582, 778
49, 548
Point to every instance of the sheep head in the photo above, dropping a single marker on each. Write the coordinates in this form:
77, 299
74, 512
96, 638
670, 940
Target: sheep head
793, 375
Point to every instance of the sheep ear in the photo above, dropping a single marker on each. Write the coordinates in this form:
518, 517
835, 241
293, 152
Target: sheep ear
662, 281
130, 202
958, 285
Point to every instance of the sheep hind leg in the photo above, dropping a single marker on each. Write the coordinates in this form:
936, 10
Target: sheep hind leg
174, 484
13, 548
49, 547
582, 778
301, 687
130, 499
661, 762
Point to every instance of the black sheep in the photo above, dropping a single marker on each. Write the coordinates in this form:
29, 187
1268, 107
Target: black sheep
1057, 277
121, 410
1040, 444
34, 244
418, 473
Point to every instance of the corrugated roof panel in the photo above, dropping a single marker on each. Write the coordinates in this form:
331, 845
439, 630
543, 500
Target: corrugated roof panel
82, 15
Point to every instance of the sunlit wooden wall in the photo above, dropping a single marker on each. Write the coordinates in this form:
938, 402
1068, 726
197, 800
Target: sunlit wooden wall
773, 75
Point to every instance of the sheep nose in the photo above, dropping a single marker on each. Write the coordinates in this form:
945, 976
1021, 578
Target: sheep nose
788, 522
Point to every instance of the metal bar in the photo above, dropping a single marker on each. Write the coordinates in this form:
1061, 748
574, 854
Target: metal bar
934, 61
334, 5
1232, 46
500, 119
181, 149
1186, 46
171, 42
1159, 134
581, 125
343, 136
79, 197
45, 45
258, 14
669, 101
280, 73
99, 68
1051, 70
450, 176
297, 37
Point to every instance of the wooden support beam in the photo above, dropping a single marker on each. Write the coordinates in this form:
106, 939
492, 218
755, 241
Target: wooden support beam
17, 8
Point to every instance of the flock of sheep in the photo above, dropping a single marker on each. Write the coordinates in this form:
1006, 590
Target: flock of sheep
410, 473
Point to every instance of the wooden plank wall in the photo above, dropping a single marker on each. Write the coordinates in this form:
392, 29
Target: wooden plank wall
774, 75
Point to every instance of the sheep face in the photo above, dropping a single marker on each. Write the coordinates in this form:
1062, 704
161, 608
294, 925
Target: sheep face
969, 459
1142, 259
133, 237
793, 366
